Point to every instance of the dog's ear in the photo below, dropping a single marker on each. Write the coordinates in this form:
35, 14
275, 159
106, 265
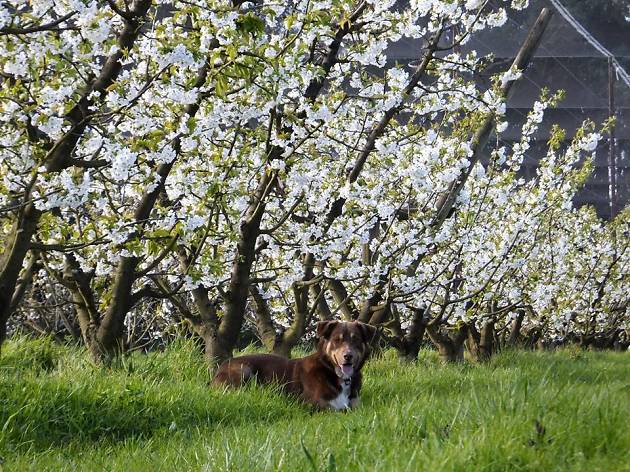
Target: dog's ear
324, 328
367, 331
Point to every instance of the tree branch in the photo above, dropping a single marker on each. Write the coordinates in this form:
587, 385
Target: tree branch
8, 30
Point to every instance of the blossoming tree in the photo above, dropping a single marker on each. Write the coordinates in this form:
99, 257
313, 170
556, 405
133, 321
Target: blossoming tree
264, 159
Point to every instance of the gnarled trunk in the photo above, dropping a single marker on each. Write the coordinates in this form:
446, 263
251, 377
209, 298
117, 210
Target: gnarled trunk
450, 347
480, 345
343, 301
283, 343
408, 343
323, 310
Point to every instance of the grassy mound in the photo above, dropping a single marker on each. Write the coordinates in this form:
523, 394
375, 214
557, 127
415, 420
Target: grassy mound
566, 410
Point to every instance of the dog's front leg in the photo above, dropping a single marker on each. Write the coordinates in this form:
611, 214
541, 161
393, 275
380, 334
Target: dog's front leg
314, 400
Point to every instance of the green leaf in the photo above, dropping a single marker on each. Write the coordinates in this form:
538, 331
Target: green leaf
250, 23
221, 86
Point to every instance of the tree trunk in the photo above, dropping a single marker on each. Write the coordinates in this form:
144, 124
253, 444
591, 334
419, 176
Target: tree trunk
622, 342
323, 310
480, 344
78, 283
380, 315
412, 340
532, 338
205, 323
17, 245
264, 323
472, 341
282, 343
486, 342
367, 312
294, 333
450, 348
238, 289
450, 352
340, 296
111, 327
515, 331
26, 278
214, 350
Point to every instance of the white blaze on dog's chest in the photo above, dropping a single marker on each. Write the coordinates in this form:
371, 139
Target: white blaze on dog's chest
342, 401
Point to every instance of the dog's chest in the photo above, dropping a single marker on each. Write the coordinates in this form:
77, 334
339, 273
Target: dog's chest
342, 401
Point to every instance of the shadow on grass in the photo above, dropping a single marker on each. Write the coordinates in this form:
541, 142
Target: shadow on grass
50, 396
38, 415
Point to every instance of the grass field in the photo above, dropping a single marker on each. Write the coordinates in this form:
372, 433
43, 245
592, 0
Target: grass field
566, 410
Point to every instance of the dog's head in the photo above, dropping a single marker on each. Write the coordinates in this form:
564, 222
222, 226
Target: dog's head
345, 344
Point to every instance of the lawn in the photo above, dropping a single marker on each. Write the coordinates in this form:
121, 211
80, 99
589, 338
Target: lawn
565, 410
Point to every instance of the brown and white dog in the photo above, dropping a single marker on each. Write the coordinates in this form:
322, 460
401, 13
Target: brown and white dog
328, 378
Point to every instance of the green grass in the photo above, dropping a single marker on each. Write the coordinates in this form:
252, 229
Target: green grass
566, 410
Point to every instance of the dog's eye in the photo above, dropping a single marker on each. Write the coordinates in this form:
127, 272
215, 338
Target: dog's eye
340, 338
353, 337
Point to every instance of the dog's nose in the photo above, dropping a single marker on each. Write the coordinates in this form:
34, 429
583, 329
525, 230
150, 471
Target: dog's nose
347, 357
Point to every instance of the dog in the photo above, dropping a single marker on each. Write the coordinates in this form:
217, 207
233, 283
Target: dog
330, 378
